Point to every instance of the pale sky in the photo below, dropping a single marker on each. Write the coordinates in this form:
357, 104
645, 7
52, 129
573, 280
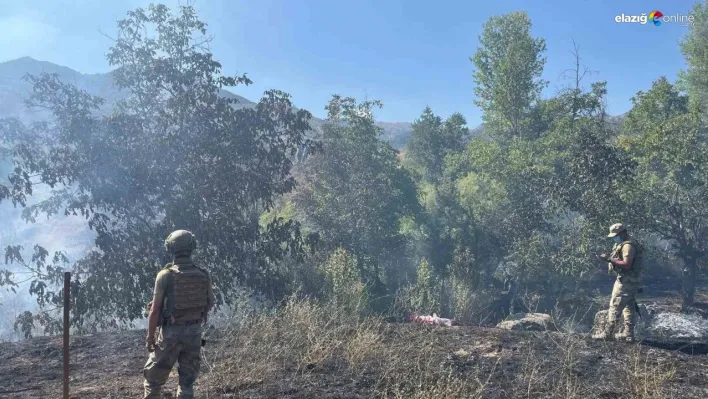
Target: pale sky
408, 54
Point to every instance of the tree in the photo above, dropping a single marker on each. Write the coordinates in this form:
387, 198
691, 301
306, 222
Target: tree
508, 65
175, 154
432, 140
354, 192
694, 47
539, 201
664, 133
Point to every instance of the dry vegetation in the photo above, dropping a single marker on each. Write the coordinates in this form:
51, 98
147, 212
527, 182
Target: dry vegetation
312, 350
306, 350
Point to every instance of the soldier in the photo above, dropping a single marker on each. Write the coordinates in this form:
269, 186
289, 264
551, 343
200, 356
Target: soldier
182, 298
625, 261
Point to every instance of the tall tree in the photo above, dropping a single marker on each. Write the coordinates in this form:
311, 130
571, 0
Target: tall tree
539, 200
175, 154
508, 63
432, 140
354, 192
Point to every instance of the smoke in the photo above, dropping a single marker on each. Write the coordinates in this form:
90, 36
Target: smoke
68, 234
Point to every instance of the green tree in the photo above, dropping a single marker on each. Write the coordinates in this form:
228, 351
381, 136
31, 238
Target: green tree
354, 192
539, 201
665, 135
175, 154
694, 47
508, 66
432, 140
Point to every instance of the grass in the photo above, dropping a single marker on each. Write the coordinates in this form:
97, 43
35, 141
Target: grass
648, 377
311, 347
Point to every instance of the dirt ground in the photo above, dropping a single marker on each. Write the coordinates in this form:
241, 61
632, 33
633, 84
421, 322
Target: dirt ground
501, 363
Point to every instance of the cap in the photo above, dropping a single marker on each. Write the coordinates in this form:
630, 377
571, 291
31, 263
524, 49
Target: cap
616, 229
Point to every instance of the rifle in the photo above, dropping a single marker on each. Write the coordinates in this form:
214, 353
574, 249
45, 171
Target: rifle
636, 305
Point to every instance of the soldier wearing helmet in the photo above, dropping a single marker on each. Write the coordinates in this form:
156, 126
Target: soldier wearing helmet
625, 262
181, 300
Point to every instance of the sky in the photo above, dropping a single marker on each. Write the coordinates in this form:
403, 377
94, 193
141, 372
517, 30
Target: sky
407, 54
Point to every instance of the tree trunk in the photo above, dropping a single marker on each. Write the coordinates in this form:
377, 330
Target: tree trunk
690, 273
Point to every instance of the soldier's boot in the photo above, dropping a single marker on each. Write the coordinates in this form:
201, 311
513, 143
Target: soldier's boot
606, 334
185, 392
153, 393
627, 334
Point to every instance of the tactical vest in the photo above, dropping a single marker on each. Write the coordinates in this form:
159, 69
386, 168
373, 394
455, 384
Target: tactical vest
186, 293
633, 275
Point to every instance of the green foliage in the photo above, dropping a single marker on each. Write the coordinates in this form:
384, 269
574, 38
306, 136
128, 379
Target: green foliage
694, 47
174, 154
426, 297
589, 172
540, 199
508, 65
432, 140
462, 307
672, 183
345, 287
658, 105
529, 202
355, 194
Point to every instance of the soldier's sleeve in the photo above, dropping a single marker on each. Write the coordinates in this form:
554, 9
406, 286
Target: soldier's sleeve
160, 287
628, 252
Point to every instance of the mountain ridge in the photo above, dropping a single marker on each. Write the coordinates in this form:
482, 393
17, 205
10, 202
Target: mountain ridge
13, 91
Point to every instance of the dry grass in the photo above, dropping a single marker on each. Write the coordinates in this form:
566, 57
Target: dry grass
306, 348
647, 376
418, 371
302, 336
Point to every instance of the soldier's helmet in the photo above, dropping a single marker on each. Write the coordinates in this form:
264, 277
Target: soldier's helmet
616, 229
180, 242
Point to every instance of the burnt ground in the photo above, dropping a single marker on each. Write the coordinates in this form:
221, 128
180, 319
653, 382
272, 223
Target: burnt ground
410, 361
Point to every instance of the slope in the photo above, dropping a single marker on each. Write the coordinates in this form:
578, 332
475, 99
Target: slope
407, 361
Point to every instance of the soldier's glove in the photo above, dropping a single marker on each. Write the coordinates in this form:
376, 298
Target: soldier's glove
150, 344
603, 257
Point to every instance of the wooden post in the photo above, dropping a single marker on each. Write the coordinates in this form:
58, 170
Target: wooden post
67, 303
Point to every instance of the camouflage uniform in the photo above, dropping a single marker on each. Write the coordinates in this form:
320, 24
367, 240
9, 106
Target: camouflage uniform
187, 297
624, 293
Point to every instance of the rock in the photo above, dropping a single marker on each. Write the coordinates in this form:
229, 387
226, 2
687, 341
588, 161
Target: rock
660, 325
527, 322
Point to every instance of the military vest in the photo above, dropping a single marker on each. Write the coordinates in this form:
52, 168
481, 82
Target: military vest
633, 275
186, 292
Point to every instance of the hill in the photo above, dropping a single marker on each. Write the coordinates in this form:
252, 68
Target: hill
13, 91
